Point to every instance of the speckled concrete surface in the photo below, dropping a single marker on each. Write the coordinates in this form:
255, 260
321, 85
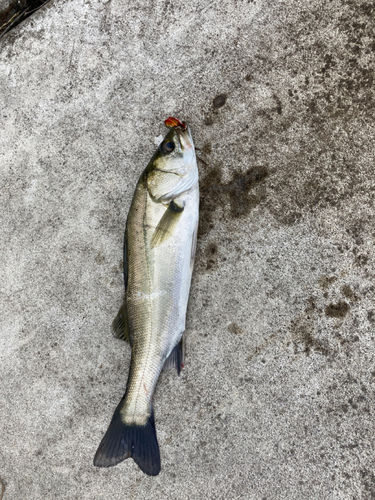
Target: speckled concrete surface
277, 397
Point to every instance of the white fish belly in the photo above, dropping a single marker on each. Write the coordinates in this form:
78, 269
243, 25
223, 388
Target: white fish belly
157, 295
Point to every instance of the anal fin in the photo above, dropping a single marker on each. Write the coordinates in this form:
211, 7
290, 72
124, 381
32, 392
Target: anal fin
177, 356
120, 324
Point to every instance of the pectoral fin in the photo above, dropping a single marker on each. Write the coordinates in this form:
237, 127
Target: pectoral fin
167, 223
120, 324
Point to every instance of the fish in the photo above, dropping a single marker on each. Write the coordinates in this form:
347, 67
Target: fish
159, 252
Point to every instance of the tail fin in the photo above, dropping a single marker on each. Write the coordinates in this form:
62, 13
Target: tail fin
122, 441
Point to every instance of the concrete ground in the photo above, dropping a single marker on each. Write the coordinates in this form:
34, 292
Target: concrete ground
277, 397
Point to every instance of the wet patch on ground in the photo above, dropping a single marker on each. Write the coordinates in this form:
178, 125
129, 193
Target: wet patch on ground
368, 481
211, 254
326, 281
260, 348
303, 332
235, 329
348, 293
329, 96
216, 194
339, 310
219, 101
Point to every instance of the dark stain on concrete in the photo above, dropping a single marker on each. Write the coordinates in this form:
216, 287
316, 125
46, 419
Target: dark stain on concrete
279, 108
368, 481
303, 330
260, 348
355, 231
344, 73
219, 101
339, 310
335, 87
360, 259
215, 194
304, 334
325, 282
356, 403
211, 256
206, 149
358, 230
348, 293
235, 329
99, 259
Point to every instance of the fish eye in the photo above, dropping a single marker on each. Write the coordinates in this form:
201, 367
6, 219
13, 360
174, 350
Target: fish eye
167, 147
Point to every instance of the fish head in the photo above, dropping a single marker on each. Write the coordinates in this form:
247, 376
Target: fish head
176, 153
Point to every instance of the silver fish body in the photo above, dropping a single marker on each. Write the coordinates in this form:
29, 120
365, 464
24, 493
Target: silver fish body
159, 250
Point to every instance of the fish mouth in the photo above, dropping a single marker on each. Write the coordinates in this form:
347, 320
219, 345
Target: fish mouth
184, 136
183, 132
